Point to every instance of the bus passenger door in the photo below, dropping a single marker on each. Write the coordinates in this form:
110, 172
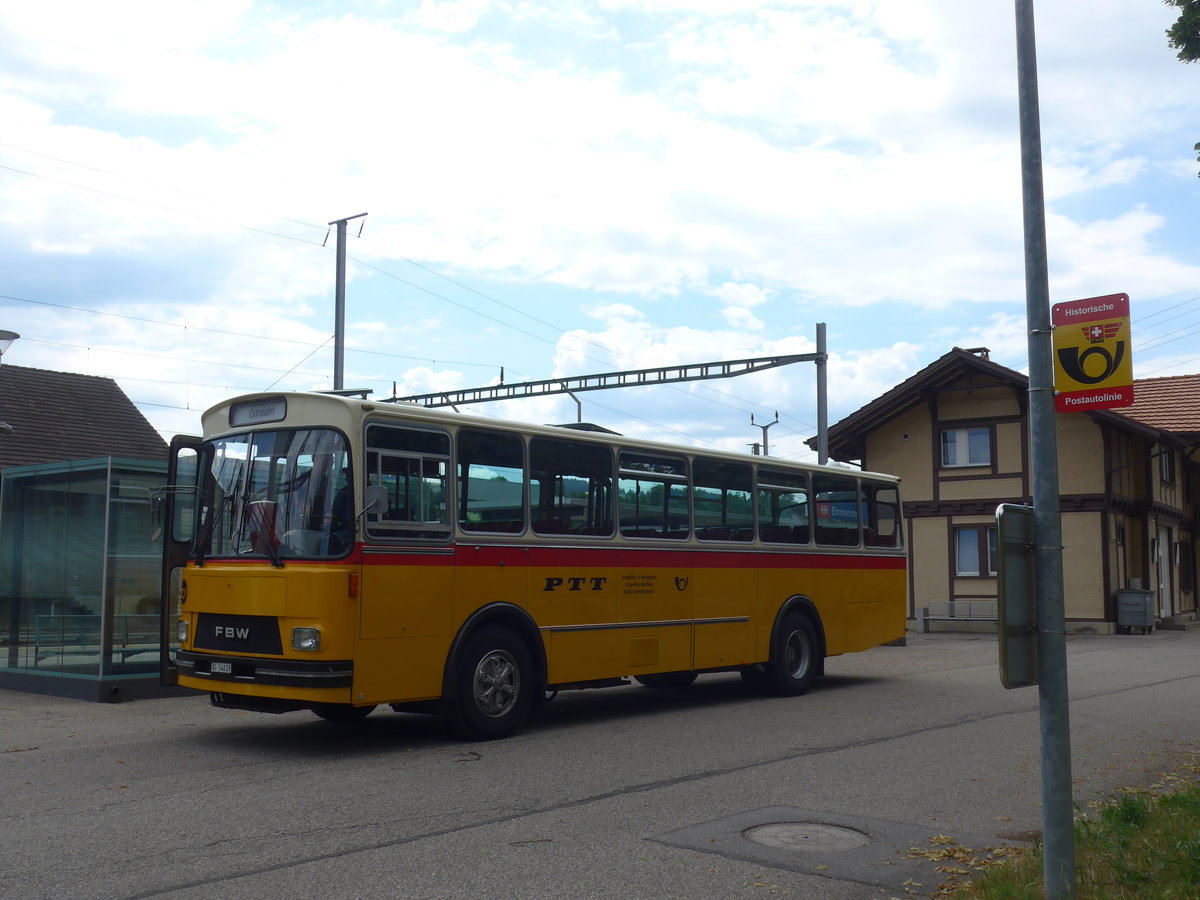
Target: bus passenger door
175, 520
406, 602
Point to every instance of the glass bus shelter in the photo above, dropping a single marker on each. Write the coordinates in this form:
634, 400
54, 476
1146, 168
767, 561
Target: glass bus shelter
79, 578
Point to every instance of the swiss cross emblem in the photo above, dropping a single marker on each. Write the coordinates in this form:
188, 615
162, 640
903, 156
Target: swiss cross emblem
1100, 332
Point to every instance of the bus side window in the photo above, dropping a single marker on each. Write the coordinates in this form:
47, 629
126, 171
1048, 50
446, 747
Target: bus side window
571, 487
721, 499
413, 467
491, 481
653, 496
836, 503
783, 515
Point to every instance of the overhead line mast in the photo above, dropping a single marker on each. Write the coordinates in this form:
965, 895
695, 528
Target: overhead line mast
339, 301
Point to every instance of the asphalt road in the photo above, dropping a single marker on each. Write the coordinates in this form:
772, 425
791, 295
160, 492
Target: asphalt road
617, 793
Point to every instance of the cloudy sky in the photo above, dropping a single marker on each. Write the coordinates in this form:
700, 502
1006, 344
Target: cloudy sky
565, 187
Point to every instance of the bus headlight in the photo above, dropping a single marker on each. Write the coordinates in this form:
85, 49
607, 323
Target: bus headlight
306, 638
181, 630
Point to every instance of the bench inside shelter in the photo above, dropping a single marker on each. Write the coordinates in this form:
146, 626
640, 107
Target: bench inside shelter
78, 635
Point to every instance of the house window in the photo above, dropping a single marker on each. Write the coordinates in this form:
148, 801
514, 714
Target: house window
1166, 465
966, 447
975, 551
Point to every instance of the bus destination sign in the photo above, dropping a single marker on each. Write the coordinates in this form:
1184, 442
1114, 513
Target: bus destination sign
1093, 364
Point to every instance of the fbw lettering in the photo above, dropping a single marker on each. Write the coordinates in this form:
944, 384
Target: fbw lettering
575, 584
228, 631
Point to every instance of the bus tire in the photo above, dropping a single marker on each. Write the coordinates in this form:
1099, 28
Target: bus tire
794, 650
494, 685
667, 681
342, 712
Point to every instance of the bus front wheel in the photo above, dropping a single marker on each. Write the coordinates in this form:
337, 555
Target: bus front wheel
494, 684
793, 663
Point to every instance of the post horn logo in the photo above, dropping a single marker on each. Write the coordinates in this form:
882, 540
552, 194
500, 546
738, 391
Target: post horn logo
681, 584
1073, 362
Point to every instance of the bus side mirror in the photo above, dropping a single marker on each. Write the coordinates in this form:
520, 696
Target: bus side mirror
375, 500
156, 511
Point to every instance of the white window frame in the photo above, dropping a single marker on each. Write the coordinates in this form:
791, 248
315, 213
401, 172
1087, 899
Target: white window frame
984, 556
1166, 466
961, 438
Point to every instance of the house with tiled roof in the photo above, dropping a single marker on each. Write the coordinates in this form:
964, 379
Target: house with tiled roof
957, 433
52, 416
1170, 404
79, 572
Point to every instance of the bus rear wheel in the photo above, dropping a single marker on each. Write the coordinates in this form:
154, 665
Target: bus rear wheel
494, 685
793, 664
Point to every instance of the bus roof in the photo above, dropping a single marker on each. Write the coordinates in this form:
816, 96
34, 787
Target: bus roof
216, 422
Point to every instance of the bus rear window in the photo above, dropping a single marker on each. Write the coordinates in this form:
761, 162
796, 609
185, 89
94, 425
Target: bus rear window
881, 508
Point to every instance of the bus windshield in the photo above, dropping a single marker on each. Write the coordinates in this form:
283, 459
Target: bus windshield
277, 494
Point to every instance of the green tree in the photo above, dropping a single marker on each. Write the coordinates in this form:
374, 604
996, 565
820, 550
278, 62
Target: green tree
1184, 35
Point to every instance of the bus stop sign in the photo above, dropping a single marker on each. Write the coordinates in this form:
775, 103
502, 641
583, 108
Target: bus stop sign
1093, 364
1016, 607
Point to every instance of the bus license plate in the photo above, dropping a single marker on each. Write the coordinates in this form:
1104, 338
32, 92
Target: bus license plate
221, 668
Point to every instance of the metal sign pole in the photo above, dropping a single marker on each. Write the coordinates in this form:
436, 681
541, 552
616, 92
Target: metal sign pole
1058, 838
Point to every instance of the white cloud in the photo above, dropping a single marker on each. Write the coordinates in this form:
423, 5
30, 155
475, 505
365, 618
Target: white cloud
711, 173
1114, 255
615, 312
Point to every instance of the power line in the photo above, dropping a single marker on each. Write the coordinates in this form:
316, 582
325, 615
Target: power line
126, 352
205, 217
239, 334
124, 177
561, 331
1159, 312
427, 269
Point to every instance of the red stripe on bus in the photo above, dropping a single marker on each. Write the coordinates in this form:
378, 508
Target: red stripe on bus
632, 557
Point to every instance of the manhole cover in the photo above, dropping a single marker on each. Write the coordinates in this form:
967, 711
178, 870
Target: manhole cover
806, 837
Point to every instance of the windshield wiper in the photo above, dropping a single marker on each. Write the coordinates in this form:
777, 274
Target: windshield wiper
270, 545
204, 537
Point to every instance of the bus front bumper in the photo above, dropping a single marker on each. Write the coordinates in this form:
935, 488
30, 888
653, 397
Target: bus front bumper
257, 670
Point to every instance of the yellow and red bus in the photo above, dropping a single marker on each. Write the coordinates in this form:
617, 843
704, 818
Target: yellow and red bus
336, 554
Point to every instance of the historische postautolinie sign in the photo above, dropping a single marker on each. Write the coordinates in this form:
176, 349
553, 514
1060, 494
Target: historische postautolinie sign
1093, 363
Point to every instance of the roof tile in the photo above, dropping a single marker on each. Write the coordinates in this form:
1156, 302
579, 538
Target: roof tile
58, 416
1168, 404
